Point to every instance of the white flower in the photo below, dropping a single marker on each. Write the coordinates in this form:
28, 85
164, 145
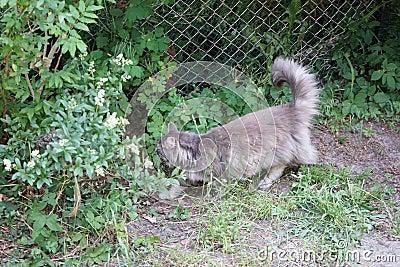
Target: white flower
35, 153
101, 93
101, 82
128, 62
126, 77
72, 104
134, 148
91, 68
31, 164
148, 164
112, 121
99, 99
92, 151
7, 164
63, 142
121, 61
117, 60
82, 56
99, 171
123, 121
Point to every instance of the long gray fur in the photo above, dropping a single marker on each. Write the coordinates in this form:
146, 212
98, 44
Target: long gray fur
258, 145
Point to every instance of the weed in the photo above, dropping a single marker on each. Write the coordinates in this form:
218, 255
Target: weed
368, 132
366, 83
325, 207
333, 208
343, 138
179, 213
222, 230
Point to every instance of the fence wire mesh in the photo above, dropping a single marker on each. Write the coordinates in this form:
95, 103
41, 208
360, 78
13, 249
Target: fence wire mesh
248, 34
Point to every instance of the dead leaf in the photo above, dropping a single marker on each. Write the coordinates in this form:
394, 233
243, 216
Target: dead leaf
185, 242
152, 220
3, 197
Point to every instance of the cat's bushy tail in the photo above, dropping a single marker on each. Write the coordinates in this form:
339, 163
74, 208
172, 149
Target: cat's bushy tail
302, 83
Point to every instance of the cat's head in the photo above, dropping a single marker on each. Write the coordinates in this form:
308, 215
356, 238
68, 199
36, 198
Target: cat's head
180, 149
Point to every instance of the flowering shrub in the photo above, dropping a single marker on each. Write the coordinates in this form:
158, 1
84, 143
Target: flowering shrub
73, 149
87, 117
65, 182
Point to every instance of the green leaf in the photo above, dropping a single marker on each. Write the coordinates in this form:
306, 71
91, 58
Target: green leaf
61, 18
39, 222
77, 236
275, 93
381, 98
391, 67
376, 75
81, 6
391, 83
87, 20
124, 34
90, 216
89, 170
81, 46
138, 12
3, 3
72, 49
81, 26
70, 19
67, 157
74, 11
101, 41
52, 223
371, 90
78, 171
116, 12
360, 99
93, 8
136, 71
65, 47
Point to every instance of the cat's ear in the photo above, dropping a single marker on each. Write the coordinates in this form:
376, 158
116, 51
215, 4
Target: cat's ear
171, 142
172, 128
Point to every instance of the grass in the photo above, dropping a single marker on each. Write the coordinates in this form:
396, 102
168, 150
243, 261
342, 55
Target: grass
319, 209
323, 210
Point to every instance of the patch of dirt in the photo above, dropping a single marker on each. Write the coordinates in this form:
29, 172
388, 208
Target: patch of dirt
380, 151
377, 148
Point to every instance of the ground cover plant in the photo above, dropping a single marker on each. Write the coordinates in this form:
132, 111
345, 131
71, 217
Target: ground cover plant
68, 196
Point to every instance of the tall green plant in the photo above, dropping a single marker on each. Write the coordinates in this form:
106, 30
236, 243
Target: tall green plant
34, 37
368, 70
63, 159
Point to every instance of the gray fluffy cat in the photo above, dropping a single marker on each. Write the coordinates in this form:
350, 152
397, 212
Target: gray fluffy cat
258, 145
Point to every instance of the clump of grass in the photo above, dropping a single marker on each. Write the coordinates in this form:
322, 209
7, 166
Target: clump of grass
333, 205
223, 228
324, 205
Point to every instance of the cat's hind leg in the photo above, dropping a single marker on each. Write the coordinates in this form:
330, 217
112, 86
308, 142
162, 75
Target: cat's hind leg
273, 174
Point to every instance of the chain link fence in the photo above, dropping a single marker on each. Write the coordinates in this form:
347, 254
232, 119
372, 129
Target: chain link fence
248, 34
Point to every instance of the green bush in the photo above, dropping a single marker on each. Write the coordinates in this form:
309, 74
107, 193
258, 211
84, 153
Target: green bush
366, 81
64, 168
